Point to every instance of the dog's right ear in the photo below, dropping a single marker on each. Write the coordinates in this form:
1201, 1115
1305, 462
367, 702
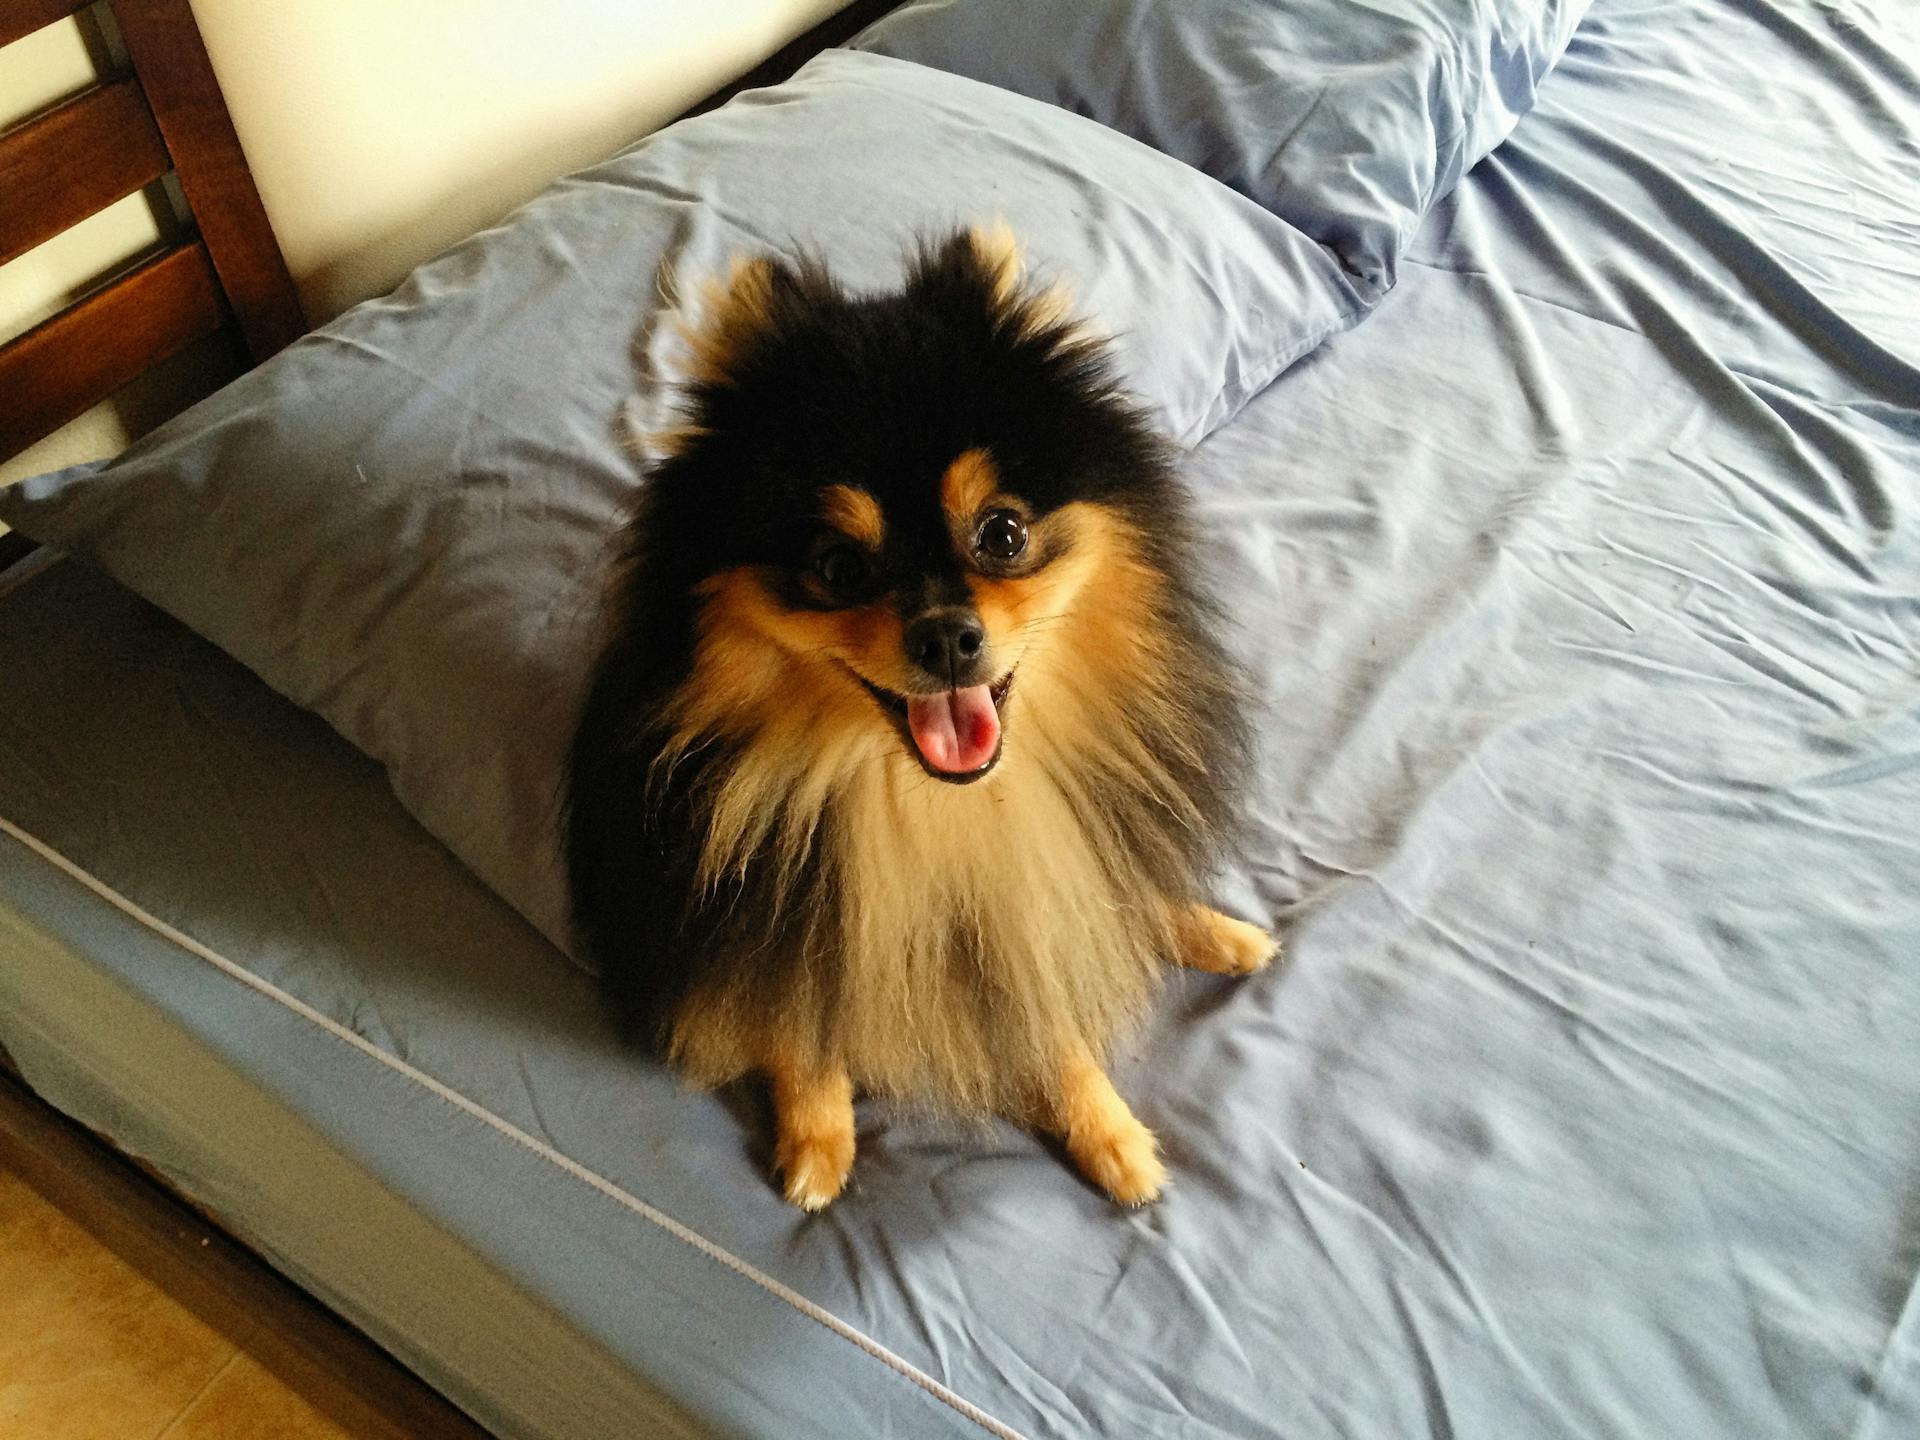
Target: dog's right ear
983, 267
730, 314
982, 261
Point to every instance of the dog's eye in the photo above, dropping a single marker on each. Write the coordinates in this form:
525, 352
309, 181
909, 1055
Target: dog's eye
1003, 535
841, 568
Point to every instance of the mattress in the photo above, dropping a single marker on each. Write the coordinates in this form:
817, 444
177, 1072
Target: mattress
1582, 586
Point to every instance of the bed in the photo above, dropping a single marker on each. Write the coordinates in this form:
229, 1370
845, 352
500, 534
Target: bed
1576, 553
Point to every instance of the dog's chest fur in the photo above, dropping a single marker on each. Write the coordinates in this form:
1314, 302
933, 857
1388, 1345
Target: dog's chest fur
950, 944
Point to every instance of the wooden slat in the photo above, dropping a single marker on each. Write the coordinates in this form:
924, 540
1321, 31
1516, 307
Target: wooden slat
172, 65
79, 157
327, 1362
88, 351
23, 17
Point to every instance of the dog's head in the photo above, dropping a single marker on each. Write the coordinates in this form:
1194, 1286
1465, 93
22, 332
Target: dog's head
895, 513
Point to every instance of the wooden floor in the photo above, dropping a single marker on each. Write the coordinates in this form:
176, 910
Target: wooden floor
127, 1313
90, 1350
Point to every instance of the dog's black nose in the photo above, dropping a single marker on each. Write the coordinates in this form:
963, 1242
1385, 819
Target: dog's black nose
947, 644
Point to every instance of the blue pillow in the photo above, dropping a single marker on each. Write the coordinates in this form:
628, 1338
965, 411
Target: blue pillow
1347, 118
399, 521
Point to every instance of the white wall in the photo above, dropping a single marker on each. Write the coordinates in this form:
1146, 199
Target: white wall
380, 132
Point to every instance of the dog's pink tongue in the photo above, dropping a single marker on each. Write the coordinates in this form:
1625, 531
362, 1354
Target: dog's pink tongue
957, 732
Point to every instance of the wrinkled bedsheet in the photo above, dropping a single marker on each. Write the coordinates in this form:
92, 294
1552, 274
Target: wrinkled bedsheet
1582, 586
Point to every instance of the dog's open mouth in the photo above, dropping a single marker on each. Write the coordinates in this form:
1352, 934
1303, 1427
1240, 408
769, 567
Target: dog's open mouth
955, 734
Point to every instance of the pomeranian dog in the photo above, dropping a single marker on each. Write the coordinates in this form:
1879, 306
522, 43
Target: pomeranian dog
911, 745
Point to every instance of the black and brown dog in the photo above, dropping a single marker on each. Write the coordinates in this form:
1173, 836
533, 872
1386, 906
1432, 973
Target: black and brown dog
911, 746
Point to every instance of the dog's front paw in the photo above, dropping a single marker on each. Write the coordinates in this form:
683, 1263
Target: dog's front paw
1222, 945
815, 1167
1122, 1158
1104, 1139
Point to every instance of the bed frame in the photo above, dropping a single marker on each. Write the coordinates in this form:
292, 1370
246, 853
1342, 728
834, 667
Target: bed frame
162, 116
159, 118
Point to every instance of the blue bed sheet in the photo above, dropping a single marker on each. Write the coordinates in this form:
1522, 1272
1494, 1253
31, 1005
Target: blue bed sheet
1582, 582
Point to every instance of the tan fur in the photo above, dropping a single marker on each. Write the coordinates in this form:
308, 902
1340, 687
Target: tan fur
667, 439
813, 1114
1105, 1139
998, 250
713, 326
1220, 944
968, 486
993, 932
728, 312
854, 513
810, 722
1111, 645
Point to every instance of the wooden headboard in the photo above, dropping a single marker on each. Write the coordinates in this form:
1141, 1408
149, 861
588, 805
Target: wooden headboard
163, 114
